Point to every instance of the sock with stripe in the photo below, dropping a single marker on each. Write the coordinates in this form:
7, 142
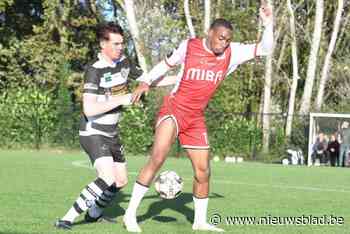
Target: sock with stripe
107, 196
86, 199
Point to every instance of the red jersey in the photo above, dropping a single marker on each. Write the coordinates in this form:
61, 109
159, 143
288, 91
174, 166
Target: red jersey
203, 73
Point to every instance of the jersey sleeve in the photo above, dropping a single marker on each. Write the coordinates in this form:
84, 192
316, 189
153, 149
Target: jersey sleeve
178, 55
91, 81
241, 53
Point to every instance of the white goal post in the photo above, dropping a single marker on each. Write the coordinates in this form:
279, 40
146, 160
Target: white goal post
326, 123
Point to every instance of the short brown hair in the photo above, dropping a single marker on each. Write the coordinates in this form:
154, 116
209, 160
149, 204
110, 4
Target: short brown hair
104, 30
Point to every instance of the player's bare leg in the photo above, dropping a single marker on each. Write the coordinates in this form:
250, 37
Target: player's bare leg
201, 168
164, 138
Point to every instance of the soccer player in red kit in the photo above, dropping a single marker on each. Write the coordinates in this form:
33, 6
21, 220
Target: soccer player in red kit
206, 63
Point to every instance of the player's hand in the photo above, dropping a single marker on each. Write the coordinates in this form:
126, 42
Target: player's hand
125, 100
265, 13
141, 89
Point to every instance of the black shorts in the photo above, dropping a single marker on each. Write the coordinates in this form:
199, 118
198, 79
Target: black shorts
97, 146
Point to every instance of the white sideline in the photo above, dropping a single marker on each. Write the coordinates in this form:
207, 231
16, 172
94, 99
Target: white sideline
85, 164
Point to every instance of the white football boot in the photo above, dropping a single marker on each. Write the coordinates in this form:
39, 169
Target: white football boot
130, 223
206, 227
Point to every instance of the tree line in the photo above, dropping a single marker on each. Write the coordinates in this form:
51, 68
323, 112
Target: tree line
45, 44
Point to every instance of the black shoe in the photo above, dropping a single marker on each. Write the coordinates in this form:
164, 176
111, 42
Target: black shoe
63, 224
90, 219
100, 218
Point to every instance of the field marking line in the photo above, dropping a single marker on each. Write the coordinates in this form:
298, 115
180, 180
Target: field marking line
85, 164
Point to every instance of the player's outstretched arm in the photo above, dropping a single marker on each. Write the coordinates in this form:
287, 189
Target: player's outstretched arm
246, 52
165, 81
146, 80
144, 86
176, 58
155, 74
92, 107
171, 80
265, 46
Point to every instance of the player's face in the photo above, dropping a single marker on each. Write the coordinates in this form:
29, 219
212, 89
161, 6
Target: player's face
219, 39
114, 47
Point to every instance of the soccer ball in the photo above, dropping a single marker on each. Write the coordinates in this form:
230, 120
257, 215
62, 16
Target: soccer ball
168, 184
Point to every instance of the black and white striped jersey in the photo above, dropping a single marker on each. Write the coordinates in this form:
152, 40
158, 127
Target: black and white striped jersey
104, 79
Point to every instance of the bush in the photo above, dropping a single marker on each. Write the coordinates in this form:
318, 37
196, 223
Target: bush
136, 130
233, 135
26, 117
137, 125
67, 114
31, 118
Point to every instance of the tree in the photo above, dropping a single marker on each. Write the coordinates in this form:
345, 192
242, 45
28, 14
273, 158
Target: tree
267, 97
206, 16
293, 88
188, 18
312, 63
218, 9
4, 4
327, 62
140, 51
342, 33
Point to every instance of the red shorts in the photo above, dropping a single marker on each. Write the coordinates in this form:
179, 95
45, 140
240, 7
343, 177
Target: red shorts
191, 128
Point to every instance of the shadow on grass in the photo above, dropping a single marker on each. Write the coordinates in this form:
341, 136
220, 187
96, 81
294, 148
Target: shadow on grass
179, 205
155, 208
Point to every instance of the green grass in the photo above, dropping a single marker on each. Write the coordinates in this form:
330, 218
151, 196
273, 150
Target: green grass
38, 187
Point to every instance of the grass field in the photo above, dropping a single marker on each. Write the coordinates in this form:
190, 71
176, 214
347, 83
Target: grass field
37, 187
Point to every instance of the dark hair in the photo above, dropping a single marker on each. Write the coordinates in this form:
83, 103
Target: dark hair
104, 30
221, 23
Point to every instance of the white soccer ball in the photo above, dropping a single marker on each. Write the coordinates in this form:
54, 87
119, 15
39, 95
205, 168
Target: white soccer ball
168, 184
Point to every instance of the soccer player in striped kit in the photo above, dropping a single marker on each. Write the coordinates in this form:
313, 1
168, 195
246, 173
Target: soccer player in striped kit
104, 94
206, 64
